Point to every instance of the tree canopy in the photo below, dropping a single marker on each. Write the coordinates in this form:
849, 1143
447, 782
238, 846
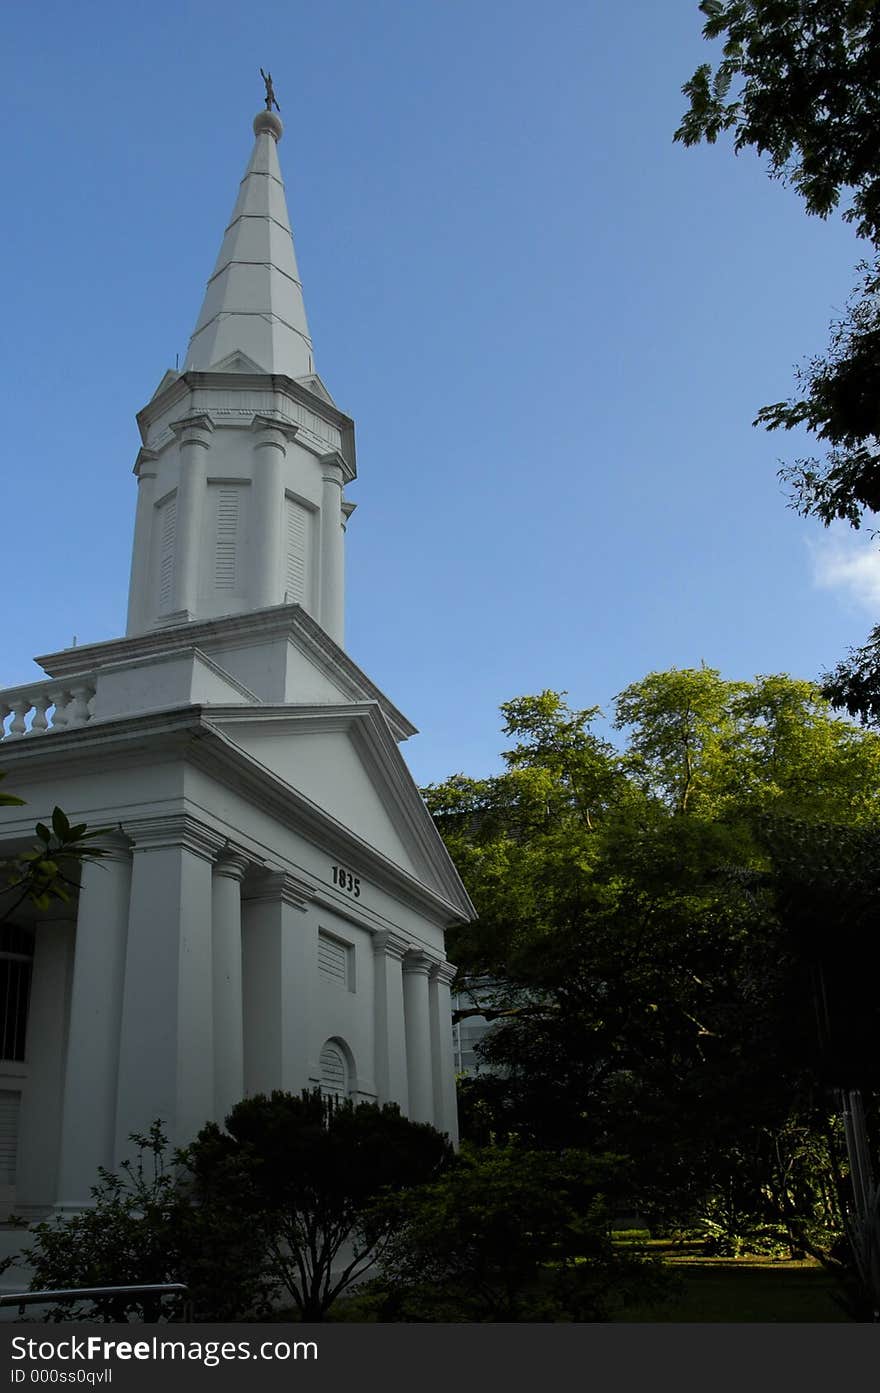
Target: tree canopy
799, 82
645, 968
805, 76
308, 1173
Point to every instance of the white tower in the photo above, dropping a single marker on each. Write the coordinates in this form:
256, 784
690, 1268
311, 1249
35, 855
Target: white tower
245, 456
272, 911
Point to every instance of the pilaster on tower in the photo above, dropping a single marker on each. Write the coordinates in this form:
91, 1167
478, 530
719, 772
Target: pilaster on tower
245, 454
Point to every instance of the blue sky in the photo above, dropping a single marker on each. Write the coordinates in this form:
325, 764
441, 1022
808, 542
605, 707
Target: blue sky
552, 325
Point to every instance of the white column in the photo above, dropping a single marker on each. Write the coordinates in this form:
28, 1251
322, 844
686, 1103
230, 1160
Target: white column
416, 967
39, 1134
194, 437
390, 1029
90, 1084
440, 1006
279, 952
139, 612
166, 1054
228, 1010
332, 550
268, 512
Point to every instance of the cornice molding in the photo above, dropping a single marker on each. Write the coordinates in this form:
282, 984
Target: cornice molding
390, 945
281, 886
194, 734
175, 830
180, 387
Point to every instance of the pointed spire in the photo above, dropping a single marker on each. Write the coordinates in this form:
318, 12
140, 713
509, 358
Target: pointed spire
253, 305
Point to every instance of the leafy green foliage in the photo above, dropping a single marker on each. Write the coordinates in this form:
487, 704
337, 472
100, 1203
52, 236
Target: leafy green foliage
646, 960
838, 404
306, 1172
807, 94
854, 684
47, 872
144, 1228
9, 800
805, 74
508, 1234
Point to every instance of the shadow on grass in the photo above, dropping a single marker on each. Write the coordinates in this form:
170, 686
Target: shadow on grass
753, 1290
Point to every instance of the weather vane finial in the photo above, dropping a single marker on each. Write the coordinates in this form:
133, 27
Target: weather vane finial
270, 91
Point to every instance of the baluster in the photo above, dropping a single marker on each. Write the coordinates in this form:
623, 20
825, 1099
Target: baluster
4, 712
19, 706
78, 712
40, 721
60, 696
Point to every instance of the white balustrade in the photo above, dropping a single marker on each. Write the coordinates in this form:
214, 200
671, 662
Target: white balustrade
38, 708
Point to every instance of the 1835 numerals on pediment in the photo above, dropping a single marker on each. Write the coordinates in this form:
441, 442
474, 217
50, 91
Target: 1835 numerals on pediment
346, 881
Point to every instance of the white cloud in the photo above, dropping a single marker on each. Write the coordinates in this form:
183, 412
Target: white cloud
848, 562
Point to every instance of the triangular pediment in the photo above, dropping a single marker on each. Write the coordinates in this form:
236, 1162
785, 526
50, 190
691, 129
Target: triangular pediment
313, 384
167, 379
344, 761
236, 362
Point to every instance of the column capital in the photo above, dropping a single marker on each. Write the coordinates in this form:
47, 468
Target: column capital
444, 973
270, 430
196, 429
389, 944
175, 829
332, 467
231, 862
281, 885
116, 846
145, 457
417, 962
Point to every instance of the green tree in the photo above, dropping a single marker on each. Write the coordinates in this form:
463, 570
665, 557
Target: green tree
806, 94
306, 1172
642, 974
797, 81
144, 1228
507, 1234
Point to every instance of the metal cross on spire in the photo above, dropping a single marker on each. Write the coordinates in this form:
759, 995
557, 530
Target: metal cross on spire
270, 91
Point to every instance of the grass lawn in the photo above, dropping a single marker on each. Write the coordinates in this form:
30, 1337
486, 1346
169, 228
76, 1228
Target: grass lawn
741, 1289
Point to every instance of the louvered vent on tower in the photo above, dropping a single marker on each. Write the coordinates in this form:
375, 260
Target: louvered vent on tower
167, 535
226, 543
299, 536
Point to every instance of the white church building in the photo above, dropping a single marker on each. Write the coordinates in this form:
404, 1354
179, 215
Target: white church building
272, 910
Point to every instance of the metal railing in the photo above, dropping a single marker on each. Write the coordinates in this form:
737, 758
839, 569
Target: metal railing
41, 1298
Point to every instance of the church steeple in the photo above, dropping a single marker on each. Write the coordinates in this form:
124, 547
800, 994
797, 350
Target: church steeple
254, 302
245, 455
